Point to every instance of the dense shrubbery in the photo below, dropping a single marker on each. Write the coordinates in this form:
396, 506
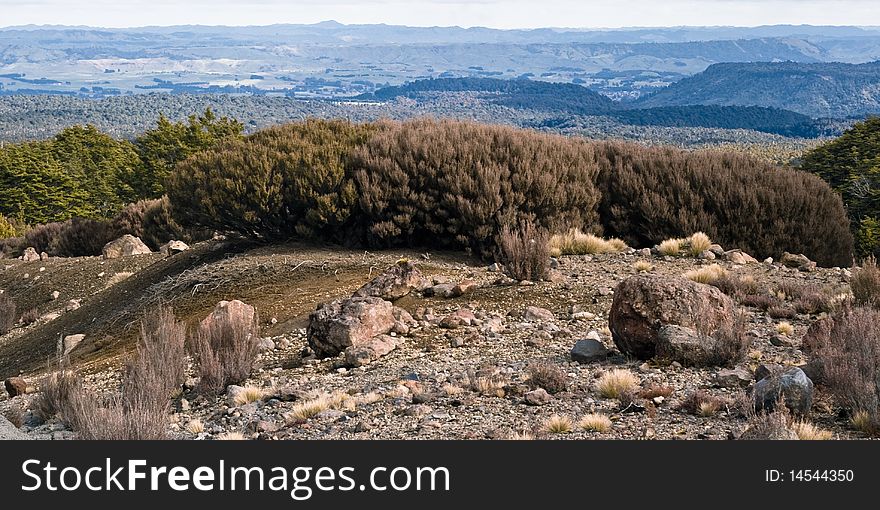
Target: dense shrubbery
851, 165
654, 194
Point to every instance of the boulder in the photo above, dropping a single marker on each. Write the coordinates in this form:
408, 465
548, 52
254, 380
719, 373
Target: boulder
340, 324
537, 397
15, 386
70, 342
397, 281
538, 314
686, 346
800, 262
266, 344
9, 432
733, 378
458, 318
232, 312
645, 303
30, 255
589, 351
739, 257
125, 246
792, 385
442, 290
173, 247
44, 256
366, 352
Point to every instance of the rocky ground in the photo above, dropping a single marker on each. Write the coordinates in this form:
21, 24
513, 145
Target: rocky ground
460, 370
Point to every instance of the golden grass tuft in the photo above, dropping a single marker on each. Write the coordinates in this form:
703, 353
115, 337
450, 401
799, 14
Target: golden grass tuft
575, 242
249, 394
706, 274
698, 243
670, 247
643, 266
195, 426
617, 382
452, 390
231, 436
594, 422
311, 408
809, 432
708, 408
520, 436
558, 424
785, 328
861, 421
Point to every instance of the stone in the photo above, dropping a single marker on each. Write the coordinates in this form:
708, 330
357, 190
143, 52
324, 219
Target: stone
645, 303
733, 378
464, 287
367, 352
538, 314
494, 268
644, 252
457, 319
766, 369
792, 385
800, 262
685, 345
266, 344
588, 351
55, 295
780, 341
706, 255
70, 342
126, 246
397, 281
44, 256
717, 250
739, 257
72, 305
338, 325
30, 255
769, 261
15, 386
173, 248
537, 397
442, 290
9, 432
232, 312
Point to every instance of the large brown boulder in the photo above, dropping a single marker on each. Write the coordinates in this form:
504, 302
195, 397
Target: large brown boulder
341, 324
230, 312
15, 386
397, 281
125, 246
644, 304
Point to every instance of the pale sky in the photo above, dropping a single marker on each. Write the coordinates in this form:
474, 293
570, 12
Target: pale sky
488, 13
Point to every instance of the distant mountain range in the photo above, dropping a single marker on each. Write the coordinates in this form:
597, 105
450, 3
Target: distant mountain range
815, 89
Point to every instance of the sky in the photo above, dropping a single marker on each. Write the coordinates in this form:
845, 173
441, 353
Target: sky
487, 13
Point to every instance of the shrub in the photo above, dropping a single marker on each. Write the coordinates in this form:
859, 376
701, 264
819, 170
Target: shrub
157, 371
525, 252
550, 377
7, 228
670, 247
81, 237
225, 349
12, 247
8, 316
58, 390
41, 237
558, 424
780, 311
808, 432
650, 194
865, 283
617, 382
849, 353
731, 342
702, 403
457, 184
29, 317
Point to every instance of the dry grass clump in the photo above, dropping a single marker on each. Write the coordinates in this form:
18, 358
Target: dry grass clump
311, 408
523, 435
702, 403
249, 394
7, 314
617, 382
29, 317
195, 426
698, 243
525, 251
655, 390
785, 328
731, 342
808, 432
231, 436
576, 242
594, 422
670, 247
865, 283
706, 274
558, 425
643, 266
452, 390
225, 349
862, 421
769, 426
550, 377
781, 312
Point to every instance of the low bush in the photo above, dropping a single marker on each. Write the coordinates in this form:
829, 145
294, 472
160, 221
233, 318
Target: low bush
549, 377
225, 350
41, 237
8, 316
525, 252
81, 237
576, 242
865, 283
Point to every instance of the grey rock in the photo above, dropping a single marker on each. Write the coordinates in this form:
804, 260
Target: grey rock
397, 281
125, 246
8, 431
341, 324
792, 385
685, 345
537, 397
173, 247
589, 351
733, 378
366, 352
70, 342
30, 255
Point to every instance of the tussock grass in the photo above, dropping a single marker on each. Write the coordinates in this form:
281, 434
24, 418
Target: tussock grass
231, 436
707, 275
249, 394
557, 424
617, 382
643, 266
594, 422
576, 242
670, 247
698, 243
785, 328
808, 432
195, 426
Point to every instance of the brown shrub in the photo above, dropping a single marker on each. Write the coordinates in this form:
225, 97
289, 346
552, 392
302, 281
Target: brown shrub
849, 353
550, 377
157, 371
81, 237
29, 317
731, 341
525, 252
655, 390
12, 247
58, 391
8, 316
865, 283
41, 237
703, 403
225, 350
759, 301
781, 312
813, 301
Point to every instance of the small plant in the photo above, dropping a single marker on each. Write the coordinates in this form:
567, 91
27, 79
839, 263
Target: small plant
670, 247
195, 426
309, 408
865, 283
862, 421
526, 251
698, 243
575, 242
781, 312
520, 436
225, 349
707, 274
558, 424
550, 377
452, 390
594, 422
617, 382
655, 390
249, 394
29, 317
643, 266
231, 436
785, 328
702, 403
808, 432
